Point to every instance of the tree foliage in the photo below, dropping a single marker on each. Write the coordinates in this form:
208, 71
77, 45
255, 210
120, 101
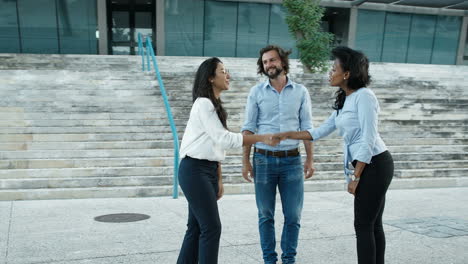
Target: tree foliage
314, 45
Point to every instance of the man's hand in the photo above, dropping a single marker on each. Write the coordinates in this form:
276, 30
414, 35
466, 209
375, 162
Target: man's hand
308, 168
247, 171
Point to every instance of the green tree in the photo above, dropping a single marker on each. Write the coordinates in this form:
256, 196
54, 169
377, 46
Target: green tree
314, 45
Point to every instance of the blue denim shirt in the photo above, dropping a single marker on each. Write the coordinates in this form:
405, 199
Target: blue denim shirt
268, 111
357, 124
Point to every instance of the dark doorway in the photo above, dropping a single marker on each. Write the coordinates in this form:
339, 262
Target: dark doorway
127, 18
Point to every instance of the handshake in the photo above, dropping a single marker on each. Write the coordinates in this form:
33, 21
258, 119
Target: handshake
274, 139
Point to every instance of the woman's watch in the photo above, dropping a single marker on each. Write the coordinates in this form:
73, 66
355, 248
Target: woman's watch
354, 178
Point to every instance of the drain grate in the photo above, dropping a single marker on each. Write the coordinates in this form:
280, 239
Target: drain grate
121, 218
439, 227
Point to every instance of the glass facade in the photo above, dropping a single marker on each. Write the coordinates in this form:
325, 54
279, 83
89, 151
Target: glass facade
218, 28
408, 38
48, 26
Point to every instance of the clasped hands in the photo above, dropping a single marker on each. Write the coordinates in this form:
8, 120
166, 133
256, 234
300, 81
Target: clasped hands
274, 139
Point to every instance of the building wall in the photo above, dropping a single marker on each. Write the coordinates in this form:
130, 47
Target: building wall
235, 28
48, 26
408, 38
216, 28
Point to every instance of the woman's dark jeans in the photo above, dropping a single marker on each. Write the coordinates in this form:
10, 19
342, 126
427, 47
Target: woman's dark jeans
369, 205
199, 181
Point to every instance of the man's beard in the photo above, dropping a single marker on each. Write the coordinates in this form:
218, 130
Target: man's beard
275, 74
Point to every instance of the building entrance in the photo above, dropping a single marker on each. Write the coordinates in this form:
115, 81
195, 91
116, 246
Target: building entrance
127, 18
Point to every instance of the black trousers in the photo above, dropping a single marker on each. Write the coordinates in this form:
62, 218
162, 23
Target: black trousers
369, 206
199, 181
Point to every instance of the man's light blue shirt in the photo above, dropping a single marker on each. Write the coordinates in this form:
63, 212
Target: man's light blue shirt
357, 124
268, 111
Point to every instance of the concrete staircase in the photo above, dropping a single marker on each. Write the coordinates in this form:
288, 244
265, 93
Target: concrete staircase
95, 126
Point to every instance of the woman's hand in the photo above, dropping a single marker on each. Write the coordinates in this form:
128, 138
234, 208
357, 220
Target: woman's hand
271, 139
352, 186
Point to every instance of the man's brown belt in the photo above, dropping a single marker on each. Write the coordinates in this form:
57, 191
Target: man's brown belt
280, 153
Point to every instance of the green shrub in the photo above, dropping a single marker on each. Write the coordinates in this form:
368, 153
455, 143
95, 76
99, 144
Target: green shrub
304, 18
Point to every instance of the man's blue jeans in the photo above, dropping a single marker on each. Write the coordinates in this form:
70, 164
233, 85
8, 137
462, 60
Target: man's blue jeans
287, 174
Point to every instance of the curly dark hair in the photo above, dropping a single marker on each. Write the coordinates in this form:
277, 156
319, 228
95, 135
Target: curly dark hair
202, 87
282, 54
358, 66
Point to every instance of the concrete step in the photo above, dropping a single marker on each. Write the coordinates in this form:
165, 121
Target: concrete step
319, 147
69, 173
88, 182
240, 188
228, 169
85, 163
127, 181
84, 137
232, 120
75, 193
69, 154
167, 154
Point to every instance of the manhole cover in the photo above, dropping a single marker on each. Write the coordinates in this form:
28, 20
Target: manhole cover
121, 218
440, 227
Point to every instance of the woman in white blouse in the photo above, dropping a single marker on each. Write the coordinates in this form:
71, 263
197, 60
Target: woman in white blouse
203, 147
356, 118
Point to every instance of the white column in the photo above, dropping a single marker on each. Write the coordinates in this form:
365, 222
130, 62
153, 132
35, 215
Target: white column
353, 13
462, 41
160, 32
102, 27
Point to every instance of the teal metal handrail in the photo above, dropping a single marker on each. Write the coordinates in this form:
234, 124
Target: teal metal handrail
149, 52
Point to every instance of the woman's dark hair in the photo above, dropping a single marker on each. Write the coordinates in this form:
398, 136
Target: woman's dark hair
282, 54
358, 66
202, 87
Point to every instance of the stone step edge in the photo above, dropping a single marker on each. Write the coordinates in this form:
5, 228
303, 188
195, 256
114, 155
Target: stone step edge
244, 188
230, 175
225, 165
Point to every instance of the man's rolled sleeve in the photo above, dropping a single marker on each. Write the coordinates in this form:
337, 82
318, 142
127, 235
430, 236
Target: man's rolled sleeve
305, 114
251, 113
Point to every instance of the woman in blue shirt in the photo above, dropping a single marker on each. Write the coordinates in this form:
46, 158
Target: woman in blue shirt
356, 118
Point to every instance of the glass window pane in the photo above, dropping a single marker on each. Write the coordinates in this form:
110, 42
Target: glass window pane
421, 38
143, 2
395, 44
120, 2
279, 31
184, 27
120, 26
120, 50
446, 40
9, 36
465, 56
77, 26
143, 24
369, 33
220, 29
252, 29
38, 24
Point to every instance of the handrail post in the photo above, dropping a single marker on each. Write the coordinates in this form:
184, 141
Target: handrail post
150, 52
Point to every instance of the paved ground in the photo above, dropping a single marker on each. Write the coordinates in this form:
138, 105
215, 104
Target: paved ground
422, 226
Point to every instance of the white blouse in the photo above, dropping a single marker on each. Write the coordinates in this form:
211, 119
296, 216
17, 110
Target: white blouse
205, 137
